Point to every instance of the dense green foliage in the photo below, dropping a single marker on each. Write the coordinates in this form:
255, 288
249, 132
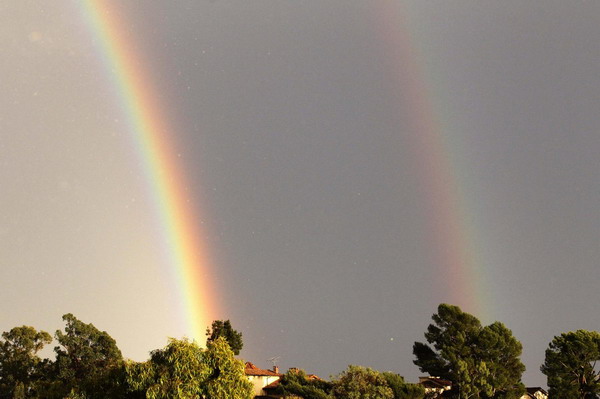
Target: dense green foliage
355, 382
571, 365
20, 366
222, 328
296, 382
403, 389
184, 370
227, 379
177, 371
482, 362
88, 362
358, 382
89, 365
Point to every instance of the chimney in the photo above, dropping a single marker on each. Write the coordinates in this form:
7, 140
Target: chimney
276, 369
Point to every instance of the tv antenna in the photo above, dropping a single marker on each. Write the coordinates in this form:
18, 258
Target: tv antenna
274, 360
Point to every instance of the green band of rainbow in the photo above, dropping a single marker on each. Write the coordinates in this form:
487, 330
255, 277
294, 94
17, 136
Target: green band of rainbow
153, 138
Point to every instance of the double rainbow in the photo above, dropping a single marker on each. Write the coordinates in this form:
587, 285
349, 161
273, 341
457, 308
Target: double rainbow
450, 227
153, 137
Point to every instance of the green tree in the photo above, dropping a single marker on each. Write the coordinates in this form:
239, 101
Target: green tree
88, 362
358, 382
177, 371
571, 365
183, 370
480, 361
222, 328
297, 383
403, 389
20, 366
227, 379
501, 353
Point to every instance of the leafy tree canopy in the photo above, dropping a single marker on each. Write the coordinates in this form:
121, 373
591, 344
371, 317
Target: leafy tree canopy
403, 389
571, 365
177, 371
227, 379
296, 382
184, 370
19, 363
222, 328
358, 382
480, 361
88, 361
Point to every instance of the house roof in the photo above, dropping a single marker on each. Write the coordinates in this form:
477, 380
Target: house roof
251, 369
532, 390
434, 382
275, 384
272, 385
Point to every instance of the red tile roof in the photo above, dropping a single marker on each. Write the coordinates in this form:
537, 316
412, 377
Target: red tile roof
275, 384
272, 385
251, 369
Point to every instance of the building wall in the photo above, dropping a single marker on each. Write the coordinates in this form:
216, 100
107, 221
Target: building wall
261, 381
536, 395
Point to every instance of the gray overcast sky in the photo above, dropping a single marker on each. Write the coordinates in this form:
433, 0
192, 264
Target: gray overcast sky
294, 121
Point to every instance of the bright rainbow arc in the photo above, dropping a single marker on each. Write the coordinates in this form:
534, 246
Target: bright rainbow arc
449, 225
152, 136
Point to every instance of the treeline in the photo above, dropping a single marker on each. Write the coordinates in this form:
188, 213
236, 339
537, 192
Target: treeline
89, 365
482, 362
